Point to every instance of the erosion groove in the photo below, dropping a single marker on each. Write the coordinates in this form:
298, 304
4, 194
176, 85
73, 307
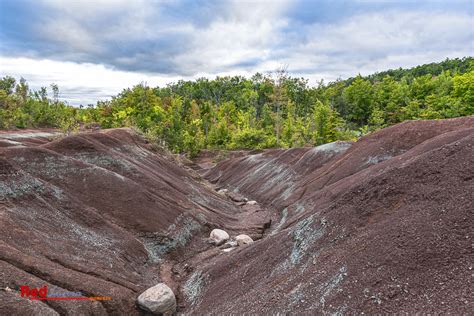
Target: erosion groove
382, 225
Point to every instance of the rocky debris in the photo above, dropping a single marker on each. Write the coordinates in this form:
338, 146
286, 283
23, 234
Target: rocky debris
243, 240
236, 197
239, 240
230, 244
159, 300
239, 200
218, 236
252, 208
223, 191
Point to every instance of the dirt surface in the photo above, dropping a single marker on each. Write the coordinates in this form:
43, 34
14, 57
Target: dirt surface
27, 137
382, 225
98, 213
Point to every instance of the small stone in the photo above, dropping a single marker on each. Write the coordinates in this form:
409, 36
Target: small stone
219, 236
251, 202
236, 197
158, 300
229, 244
243, 240
223, 191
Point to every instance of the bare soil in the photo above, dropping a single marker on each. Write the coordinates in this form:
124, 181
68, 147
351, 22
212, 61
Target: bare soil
383, 225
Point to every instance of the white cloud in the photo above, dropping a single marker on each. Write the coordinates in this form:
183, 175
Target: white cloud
74, 79
393, 31
71, 33
84, 83
380, 41
94, 8
245, 32
82, 25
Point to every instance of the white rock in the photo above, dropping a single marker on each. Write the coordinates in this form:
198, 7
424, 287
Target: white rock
223, 191
251, 202
158, 299
243, 240
219, 236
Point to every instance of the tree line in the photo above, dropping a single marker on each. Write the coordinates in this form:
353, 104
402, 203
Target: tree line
266, 110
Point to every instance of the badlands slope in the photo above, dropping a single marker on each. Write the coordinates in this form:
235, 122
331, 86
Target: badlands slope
380, 225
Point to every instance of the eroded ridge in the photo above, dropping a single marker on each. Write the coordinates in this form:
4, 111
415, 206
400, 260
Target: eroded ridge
380, 225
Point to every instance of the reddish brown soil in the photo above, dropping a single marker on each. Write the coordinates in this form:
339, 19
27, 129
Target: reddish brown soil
383, 225
27, 137
97, 213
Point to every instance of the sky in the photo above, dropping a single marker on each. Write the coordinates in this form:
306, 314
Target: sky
95, 48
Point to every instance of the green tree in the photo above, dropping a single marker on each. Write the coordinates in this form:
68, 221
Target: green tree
359, 99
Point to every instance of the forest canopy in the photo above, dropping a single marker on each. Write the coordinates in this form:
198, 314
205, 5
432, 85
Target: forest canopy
264, 111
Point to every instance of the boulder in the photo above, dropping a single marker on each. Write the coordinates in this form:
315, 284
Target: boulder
219, 236
251, 202
158, 300
243, 240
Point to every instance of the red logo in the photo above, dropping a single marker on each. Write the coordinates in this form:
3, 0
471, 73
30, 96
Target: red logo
34, 293
42, 294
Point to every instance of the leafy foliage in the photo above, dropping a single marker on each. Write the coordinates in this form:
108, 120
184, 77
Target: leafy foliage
260, 112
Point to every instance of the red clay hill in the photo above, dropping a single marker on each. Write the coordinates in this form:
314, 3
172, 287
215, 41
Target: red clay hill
382, 225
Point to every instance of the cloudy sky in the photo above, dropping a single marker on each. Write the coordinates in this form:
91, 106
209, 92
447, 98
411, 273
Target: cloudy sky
94, 48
